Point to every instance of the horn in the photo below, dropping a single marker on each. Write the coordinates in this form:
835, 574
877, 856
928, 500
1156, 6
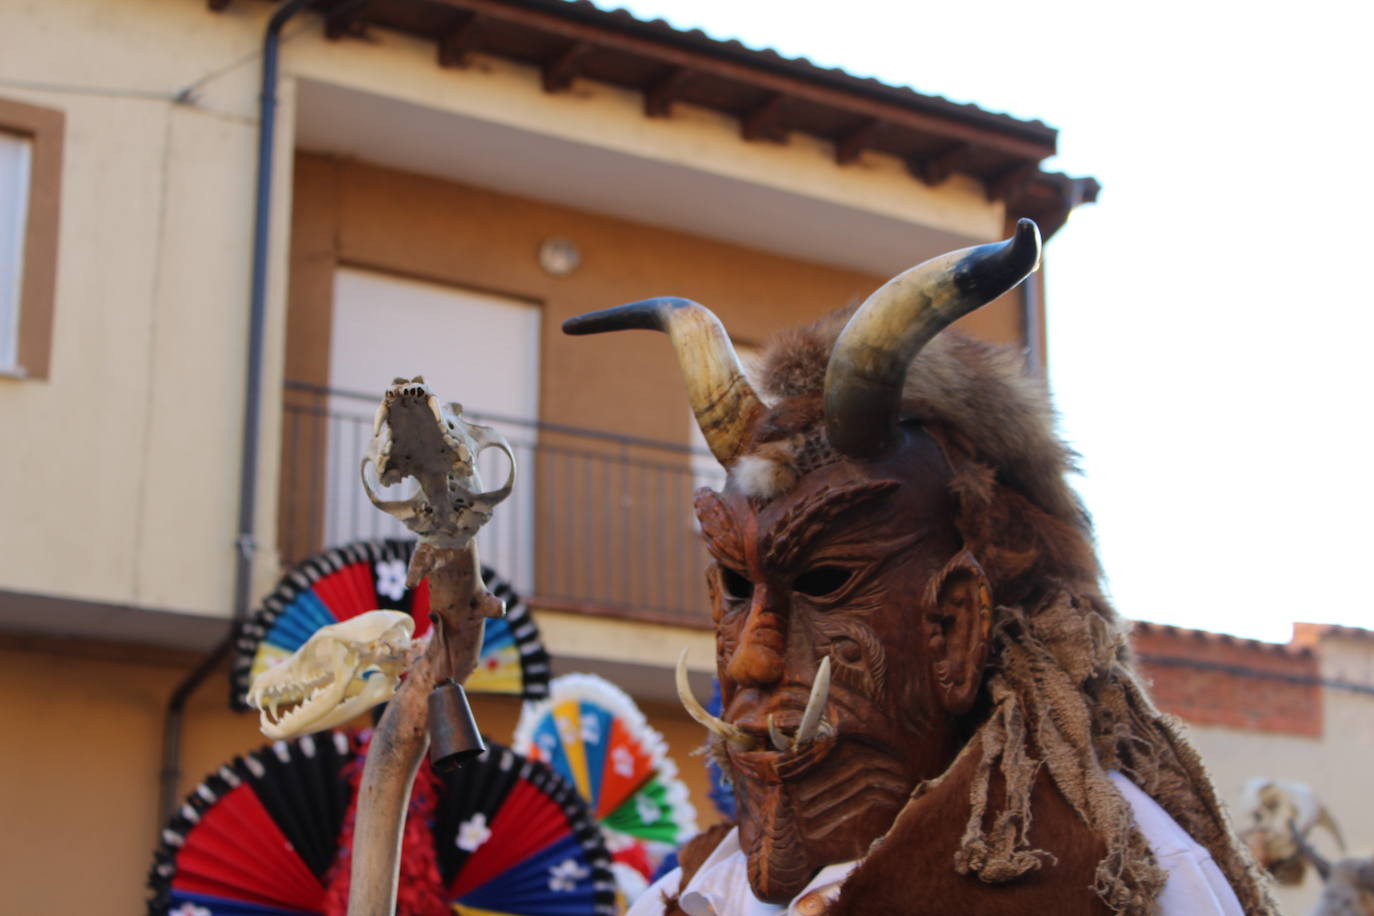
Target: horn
863, 380
722, 398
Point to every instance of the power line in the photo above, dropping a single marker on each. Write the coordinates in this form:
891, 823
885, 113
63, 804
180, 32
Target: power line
185, 95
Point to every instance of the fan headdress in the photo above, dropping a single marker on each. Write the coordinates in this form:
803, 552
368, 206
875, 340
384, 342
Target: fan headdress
907, 609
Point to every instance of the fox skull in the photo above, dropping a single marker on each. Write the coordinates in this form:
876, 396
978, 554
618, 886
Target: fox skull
343, 670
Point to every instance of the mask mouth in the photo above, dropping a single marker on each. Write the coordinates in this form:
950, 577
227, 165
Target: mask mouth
790, 734
791, 737
764, 760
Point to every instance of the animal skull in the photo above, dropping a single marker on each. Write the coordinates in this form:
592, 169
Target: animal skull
1281, 813
341, 671
440, 452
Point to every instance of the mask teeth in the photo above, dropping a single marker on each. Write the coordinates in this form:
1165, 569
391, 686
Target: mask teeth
775, 735
815, 704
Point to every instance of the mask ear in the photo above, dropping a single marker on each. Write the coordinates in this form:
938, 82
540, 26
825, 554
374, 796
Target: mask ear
957, 632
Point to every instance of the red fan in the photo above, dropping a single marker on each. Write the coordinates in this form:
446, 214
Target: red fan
268, 835
260, 835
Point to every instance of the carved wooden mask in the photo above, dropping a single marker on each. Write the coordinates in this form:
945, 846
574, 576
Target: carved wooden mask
852, 564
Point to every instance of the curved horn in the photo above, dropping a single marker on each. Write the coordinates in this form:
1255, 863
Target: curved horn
1324, 819
863, 381
1307, 807
722, 398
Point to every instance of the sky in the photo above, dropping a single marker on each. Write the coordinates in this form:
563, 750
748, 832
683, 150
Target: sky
1210, 319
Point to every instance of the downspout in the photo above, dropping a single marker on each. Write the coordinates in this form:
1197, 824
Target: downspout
170, 774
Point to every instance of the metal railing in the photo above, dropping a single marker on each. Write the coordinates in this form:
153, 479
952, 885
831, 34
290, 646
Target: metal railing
597, 521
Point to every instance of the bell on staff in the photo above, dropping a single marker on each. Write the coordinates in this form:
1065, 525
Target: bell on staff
453, 735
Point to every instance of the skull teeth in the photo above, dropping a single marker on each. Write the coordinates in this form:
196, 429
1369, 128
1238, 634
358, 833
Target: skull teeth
332, 675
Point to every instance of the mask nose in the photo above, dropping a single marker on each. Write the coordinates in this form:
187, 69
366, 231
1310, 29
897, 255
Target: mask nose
758, 659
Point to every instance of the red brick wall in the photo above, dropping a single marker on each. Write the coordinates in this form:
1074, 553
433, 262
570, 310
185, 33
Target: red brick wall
1211, 679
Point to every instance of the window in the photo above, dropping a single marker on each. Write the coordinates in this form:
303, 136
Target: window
16, 156
30, 184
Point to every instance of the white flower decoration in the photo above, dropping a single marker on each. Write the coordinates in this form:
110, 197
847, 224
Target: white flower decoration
472, 833
567, 730
649, 811
623, 762
546, 742
391, 579
190, 909
565, 875
591, 730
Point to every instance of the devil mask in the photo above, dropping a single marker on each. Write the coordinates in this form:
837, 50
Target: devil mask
851, 623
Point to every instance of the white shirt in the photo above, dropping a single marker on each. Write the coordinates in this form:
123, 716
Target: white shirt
721, 888
1195, 886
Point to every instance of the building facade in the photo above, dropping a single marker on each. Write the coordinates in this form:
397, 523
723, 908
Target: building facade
449, 182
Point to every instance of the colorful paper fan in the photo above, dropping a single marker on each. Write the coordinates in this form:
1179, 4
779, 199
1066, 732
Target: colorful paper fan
262, 837
592, 733
514, 838
259, 836
367, 575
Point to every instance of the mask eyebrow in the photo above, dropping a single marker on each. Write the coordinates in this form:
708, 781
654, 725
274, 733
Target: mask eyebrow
722, 533
798, 528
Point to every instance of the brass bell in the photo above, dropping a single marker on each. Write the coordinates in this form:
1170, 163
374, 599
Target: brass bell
453, 735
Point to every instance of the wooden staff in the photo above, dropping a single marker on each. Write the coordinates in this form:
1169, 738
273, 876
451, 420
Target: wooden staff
416, 436
460, 604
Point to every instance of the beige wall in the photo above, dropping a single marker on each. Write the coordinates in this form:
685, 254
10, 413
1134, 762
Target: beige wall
129, 456
128, 451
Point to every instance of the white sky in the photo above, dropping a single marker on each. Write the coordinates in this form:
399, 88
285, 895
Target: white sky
1209, 317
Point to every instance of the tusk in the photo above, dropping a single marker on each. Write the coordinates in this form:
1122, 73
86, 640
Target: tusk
776, 736
815, 705
378, 419
433, 403
1324, 819
697, 711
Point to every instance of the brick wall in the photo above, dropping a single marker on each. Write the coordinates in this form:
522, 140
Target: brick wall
1213, 679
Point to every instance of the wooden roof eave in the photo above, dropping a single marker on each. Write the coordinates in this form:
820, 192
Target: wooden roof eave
769, 95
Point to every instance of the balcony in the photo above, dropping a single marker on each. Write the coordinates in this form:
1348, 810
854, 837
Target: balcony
598, 523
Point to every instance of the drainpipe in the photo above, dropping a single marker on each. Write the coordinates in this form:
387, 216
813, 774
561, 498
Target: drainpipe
170, 774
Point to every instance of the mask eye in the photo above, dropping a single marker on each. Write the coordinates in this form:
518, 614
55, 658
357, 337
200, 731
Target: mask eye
736, 585
821, 581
